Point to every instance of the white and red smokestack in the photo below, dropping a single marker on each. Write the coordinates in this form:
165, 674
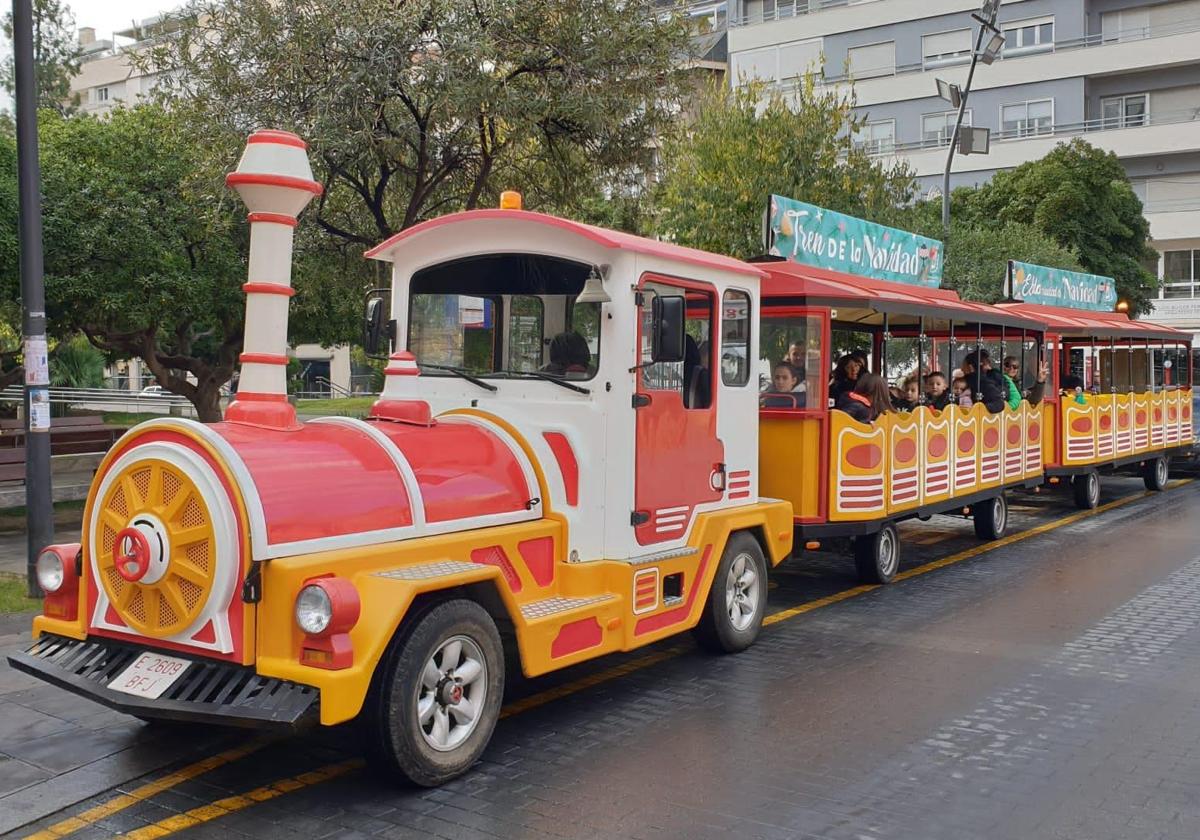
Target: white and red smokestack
275, 181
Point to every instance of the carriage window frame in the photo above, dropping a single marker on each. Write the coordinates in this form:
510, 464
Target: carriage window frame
744, 343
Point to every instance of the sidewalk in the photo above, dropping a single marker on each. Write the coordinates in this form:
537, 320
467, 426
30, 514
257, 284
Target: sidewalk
13, 550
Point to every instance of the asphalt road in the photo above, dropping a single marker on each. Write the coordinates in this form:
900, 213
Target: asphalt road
1045, 686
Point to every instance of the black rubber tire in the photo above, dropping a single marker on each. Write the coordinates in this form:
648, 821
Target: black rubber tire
1154, 473
991, 518
1086, 487
392, 731
877, 556
716, 632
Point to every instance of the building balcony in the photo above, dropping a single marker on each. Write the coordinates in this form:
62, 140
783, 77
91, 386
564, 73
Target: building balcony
1167, 132
1152, 48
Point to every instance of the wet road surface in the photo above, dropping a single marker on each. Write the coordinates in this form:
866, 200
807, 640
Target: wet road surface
1046, 686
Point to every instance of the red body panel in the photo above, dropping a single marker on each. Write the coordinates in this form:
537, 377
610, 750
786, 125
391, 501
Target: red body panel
347, 483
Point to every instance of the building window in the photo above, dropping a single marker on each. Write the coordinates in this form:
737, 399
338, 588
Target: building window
872, 60
774, 64
1125, 111
937, 129
1027, 36
946, 48
876, 137
1025, 119
1125, 25
1181, 272
102, 94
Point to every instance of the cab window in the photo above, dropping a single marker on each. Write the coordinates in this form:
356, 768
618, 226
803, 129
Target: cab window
693, 377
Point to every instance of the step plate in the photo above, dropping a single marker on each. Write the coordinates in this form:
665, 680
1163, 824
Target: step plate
552, 606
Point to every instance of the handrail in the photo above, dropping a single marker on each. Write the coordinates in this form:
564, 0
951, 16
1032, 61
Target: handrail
335, 388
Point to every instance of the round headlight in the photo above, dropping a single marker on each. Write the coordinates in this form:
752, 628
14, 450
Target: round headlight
313, 609
49, 571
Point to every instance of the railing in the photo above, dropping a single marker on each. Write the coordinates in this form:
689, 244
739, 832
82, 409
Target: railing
1175, 117
1097, 39
1171, 205
109, 399
785, 10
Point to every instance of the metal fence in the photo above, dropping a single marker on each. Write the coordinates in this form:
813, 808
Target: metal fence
109, 399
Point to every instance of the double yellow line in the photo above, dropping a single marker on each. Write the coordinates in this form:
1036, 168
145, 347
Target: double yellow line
222, 807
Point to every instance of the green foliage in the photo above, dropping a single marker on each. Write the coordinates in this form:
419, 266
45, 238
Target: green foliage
750, 142
1080, 197
977, 254
419, 108
55, 55
10, 278
75, 363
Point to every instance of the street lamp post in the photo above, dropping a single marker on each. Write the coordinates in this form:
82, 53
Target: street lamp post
39, 509
985, 52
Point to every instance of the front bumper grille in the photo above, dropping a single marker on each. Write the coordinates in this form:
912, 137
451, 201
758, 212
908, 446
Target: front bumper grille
211, 692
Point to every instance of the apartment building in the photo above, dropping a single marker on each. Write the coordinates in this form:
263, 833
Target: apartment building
1123, 74
107, 76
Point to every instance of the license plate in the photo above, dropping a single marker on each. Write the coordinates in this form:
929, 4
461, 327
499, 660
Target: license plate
150, 675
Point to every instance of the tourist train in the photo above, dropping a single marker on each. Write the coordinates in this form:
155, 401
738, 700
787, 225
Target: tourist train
571, 457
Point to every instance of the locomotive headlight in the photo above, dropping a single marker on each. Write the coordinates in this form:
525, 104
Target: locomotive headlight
314, 609
50, 574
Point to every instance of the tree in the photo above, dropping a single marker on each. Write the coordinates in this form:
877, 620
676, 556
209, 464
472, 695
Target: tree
75, 363
11, 370
1081, 198
977, 255
143, 254
419, 108
56, 55
750, 142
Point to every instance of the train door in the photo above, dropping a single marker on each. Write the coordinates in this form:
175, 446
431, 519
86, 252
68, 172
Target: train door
679, 461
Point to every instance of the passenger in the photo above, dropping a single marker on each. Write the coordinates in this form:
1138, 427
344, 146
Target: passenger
569, 353
787, 388
697, 389
1072, 387
845, 375
867, 401
1012, 372
795, 355
962, 392
978, 371
907, 396
937, 394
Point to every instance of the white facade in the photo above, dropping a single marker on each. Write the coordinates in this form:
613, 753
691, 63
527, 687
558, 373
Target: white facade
1123, 74
107, 77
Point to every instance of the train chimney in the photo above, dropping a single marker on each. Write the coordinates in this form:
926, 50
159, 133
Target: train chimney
275, 181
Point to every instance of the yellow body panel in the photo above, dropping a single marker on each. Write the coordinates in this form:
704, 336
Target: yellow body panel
592, 601
786, 447
1106, 427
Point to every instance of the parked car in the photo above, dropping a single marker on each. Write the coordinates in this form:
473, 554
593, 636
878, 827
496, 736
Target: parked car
153, 391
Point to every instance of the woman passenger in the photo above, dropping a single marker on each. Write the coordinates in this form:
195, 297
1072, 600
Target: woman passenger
868, 400
787, 388
845, 375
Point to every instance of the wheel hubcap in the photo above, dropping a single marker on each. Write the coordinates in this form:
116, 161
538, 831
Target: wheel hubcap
452, 693
742, 592
999, 514
1160, 471
887, 553
1093, 487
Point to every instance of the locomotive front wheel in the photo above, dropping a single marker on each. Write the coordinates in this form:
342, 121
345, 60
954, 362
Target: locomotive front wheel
1086, 487
439, 699
877, 556
1154, 473
991, 518
737, 601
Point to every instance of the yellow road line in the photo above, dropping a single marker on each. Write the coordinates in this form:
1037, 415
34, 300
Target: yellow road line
120, 803
207, 813
220, 808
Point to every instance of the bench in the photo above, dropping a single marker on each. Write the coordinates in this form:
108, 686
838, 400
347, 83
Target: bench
68, 435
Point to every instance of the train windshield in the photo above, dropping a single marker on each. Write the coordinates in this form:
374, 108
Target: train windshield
502, 315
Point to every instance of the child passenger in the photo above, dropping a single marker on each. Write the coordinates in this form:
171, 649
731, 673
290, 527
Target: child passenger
868, 400
906, 397
937, 395
787, 388
962, 392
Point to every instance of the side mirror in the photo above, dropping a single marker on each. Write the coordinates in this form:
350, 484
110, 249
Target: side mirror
376, 330
667, 315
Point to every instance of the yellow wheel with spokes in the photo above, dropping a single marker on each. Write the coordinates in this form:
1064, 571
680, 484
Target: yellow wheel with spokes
157, 548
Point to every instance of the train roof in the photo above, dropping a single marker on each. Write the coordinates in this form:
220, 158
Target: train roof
1088, 323
614, 239
786, 279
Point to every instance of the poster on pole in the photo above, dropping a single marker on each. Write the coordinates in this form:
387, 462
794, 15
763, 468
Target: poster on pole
824, 238
1058, 287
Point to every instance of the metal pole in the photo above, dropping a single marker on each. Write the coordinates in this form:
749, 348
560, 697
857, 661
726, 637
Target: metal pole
962, 108
979, 362
39, 509
920, 358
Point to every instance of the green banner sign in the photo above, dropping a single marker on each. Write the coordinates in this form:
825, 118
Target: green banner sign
1057, 287
816, 236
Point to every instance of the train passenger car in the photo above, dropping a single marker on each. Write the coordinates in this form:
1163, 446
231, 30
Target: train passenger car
557, 462
1121, 397
904, 464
